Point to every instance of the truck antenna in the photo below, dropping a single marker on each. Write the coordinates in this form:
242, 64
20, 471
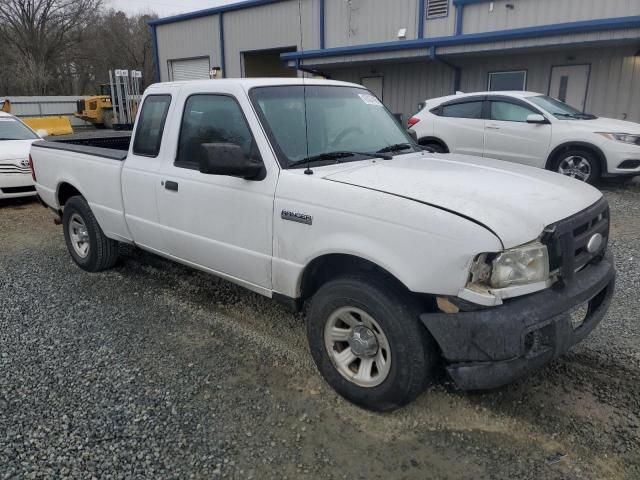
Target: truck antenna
308, 171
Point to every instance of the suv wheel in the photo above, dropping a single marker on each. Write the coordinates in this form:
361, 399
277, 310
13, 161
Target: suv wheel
579, 164
369, 344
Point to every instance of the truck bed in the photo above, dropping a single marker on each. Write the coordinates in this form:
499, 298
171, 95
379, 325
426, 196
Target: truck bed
106, 139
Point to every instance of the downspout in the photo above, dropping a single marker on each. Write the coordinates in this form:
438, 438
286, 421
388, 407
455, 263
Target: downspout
322, 20
421, 18
457, 71
459, 18
223, 63
156, 56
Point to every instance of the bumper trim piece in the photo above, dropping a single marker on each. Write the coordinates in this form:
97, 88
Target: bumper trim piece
493, 347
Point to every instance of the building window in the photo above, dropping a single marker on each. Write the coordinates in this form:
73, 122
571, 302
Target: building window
437, 8
501, 81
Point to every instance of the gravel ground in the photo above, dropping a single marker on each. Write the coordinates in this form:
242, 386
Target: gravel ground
153, 370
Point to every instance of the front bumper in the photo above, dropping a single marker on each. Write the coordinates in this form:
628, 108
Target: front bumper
493, 347
617, 153
16, 185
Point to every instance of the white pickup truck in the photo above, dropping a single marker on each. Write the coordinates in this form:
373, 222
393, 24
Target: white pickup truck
410, 263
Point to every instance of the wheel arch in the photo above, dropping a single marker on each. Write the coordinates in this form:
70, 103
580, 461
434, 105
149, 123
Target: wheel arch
431, 139
65, 191
580, 146
333, 265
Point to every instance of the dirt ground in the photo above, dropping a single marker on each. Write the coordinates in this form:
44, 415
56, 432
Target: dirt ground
155, 370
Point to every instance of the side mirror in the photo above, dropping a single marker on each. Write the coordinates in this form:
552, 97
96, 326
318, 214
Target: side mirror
536, 118
42, 133
228, 159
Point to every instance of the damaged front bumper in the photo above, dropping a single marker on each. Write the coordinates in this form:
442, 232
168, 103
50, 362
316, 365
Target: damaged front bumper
490, 348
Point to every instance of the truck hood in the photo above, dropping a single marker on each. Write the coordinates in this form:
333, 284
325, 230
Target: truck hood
15, 149
515, 202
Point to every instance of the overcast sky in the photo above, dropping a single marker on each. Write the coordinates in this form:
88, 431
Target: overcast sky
165, 7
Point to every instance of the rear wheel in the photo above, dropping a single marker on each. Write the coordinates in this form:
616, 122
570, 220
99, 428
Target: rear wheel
579, 164
107, 119
368, 343
88, 246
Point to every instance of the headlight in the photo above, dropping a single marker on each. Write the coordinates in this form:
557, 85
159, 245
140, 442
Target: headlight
622, 137
517, 266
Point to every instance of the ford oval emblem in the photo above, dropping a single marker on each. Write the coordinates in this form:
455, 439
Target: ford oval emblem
595, 242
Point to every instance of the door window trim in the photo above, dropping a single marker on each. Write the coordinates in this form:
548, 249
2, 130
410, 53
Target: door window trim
524, 80
164, 123
191, 166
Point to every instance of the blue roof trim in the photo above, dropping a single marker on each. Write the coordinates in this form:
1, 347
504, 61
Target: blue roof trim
469, 2
212, 11
585, 26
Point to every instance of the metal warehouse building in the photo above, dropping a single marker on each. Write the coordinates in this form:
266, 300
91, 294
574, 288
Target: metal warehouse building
586, 52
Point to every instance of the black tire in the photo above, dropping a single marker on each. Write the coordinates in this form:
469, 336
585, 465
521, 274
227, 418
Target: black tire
102, 252
107, 120
591, 158
434, 147
414, 353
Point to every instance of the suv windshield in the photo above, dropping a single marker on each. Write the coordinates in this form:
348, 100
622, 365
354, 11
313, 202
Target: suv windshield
559, 109
342, 123
12, 129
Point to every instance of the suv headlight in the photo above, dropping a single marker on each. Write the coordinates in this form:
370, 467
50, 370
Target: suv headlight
516, 266
622, 137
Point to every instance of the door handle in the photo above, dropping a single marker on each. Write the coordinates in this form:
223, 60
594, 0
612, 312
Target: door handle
173, 186
493, 127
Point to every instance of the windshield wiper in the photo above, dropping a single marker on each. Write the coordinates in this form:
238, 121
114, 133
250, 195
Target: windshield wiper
331, 156
398, 147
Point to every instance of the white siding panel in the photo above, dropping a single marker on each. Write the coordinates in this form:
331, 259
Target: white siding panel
356, 22
405, 84
527, 13
268, 27
614, 84
198, 37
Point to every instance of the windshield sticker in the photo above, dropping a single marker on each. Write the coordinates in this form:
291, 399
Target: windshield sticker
370, 99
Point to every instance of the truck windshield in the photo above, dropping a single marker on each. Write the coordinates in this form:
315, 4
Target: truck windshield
560, 110
342, 124
12, 129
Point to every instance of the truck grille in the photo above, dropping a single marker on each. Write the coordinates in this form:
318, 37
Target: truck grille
567, 239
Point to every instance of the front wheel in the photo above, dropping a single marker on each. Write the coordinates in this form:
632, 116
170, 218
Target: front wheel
579, 164
88, 246
368, 343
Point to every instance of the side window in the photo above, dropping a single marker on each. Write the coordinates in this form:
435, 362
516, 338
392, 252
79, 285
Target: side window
151, 125
509, 112
463, 110
212, 119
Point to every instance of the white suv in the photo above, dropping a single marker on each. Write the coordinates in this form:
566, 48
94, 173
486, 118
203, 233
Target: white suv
531, 129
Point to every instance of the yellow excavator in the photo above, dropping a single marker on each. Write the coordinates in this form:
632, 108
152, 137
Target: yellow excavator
54, 125
98, 109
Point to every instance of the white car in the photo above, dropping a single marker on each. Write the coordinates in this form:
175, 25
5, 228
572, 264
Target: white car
531, 129
15, 142
409, 260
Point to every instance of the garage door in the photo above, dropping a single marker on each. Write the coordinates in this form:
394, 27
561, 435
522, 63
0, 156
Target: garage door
191, 69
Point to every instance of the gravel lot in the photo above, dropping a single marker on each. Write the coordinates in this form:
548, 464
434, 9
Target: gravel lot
153, 370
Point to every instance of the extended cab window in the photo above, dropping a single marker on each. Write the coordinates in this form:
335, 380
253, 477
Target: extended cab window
151, 125
509, 112
463, 110
212, 119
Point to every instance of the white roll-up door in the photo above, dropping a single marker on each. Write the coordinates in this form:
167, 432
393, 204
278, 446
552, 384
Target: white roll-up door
190, 69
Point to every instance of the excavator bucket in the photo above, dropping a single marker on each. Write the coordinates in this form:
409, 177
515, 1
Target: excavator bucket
53, 125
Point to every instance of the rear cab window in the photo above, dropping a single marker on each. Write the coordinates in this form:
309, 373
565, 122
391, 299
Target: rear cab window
151, 125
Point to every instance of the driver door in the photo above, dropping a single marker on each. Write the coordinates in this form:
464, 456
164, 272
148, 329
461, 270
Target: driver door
220, 223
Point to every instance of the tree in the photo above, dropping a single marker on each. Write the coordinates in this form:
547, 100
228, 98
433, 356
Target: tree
42, 33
